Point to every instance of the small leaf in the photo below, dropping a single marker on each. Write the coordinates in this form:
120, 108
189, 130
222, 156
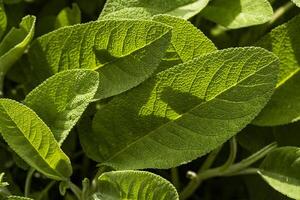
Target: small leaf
185, 111
124, 52
138, 9
284, 107
297, 2
2, 184
119, 185
187, 42
235, 14
280, 169
32, 140
68, 16
14, 44
3, 20
60, 100
18, 198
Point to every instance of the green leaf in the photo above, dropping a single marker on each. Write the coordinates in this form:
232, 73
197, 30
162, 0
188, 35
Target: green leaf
68, 16
284, 107
60, 100
124, 52
297, 2
187, 42
14, 44
145, 9
186, 111
119, 185
18, 198
235, 14
32, 140
3, 20
280, 169
2, 184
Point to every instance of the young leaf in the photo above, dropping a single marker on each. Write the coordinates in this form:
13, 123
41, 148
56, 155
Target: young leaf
280, 169
145, 9
18, 198
68, 16
124, 52
3, 20
32, 140
187, 42
186, 111
235, 14
284, 106
297, 2
118, 185
14, 44
61, 99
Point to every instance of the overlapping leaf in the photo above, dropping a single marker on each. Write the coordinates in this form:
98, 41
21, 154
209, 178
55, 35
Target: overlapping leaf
32, 140
280, 169
238, 13
3, 20
145, 9
124, 52
68, 16
185, 111
284, 107
139, 185
61, 99
297, 2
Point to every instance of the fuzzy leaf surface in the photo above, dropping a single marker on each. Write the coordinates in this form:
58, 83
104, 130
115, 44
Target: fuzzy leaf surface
186, 111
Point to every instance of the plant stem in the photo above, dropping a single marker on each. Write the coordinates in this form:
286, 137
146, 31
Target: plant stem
76, 190
280, 12
175, 177
232, 155
234, 169
28, 182
46, 190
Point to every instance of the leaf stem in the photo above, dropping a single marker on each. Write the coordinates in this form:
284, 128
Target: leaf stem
232, 155
234, 169
280, 12
28, 182
175, 177
46, 190
76, 190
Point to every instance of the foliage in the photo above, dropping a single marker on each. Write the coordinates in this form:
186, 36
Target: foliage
141, 100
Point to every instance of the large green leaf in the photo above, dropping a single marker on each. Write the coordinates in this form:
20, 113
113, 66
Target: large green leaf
145, 9
280, 169
3, 20
68, 16
135, 185
61, 99
297, 2
284, 107
32, 140
186, 111
238, 13
15, 43
187, 42
124, 52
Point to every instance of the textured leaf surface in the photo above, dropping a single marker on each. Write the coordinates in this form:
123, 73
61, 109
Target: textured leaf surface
124, 52
145, 9
297, 2
280, 169
32, 140
187, 42
284, 107
238, 13
15, 43
68, 16
61, 99
121, 185
186, 111
18, 198
3, 20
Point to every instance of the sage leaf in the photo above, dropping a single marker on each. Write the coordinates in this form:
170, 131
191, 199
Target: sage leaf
297, 2
3, 20
14, 44
118, 185
124, 52
280, 169
138, 9
284, 107
32, 140
236, 14
68, 16
185, 111
60, 100
187, 42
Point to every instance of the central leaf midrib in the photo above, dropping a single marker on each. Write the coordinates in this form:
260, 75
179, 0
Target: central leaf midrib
172, 121
30, 144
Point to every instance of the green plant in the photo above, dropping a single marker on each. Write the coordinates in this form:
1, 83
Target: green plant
124, 99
